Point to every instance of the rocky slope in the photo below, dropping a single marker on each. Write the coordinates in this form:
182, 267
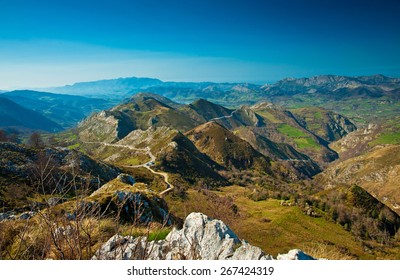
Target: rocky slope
271, 131
356, 142
369, 136
131, 201
105, 126
377, 171
168, 150
132, 149
203, 110
138, 113
300, 164
201, 238
279, 126
328, 125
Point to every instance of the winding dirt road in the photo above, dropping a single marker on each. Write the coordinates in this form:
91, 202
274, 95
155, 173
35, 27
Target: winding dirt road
147, 165
224, 117
170, 187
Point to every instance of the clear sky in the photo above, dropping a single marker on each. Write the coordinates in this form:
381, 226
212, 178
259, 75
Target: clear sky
53, 42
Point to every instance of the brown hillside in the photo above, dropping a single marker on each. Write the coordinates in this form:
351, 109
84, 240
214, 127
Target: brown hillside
377, 171
227, 149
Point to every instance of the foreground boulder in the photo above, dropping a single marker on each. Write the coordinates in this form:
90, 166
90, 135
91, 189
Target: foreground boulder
200, 238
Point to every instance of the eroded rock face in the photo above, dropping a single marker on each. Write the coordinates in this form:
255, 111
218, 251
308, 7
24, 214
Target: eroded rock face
200, 238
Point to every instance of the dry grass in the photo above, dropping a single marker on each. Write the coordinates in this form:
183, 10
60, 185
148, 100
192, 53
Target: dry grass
324, 251
63, 239
377, 171
277, 229
71, 230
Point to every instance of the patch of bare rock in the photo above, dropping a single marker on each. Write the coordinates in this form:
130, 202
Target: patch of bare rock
200, 238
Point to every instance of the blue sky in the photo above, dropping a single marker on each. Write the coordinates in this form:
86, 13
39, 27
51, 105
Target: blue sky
47, 43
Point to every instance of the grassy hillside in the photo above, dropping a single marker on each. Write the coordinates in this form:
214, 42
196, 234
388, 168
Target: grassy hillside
184, 159
326, 124
13, 115
77, 227
25, 171
204, 110
65, 110
280, 125
227, 149
276, 228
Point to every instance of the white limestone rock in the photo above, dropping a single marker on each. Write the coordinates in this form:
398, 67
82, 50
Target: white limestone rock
295, 254
200, 238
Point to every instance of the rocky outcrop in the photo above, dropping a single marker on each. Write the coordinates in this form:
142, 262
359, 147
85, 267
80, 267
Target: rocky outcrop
11, 215
200, 238
356, 142
377, 171
102, 126
126, 179
248, 117
131, 202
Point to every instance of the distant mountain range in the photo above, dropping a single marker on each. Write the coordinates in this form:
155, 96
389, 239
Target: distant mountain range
355, 97
347, 95
331, 83
123, 87
107, 88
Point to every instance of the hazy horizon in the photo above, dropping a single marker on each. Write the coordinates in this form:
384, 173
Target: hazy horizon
184, 81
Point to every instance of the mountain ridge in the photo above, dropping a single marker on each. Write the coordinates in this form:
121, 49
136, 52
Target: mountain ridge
65, 110
13, 115
347, 95
263, 138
